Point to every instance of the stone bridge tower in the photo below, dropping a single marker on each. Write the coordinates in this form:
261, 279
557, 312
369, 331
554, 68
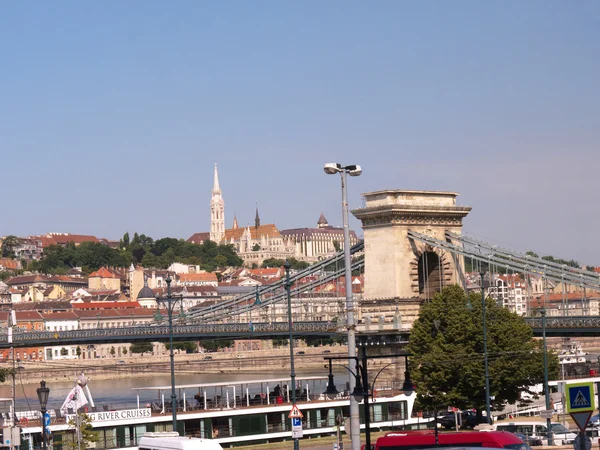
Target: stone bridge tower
400, 272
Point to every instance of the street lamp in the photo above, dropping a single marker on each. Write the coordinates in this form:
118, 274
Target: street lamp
362, 389
353, 171
546, 389
288, 285
170, 301
485, 354
43, 393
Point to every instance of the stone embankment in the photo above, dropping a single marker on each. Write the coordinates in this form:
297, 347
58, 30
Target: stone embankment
275, 360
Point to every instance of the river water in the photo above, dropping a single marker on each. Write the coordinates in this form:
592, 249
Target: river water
118, 394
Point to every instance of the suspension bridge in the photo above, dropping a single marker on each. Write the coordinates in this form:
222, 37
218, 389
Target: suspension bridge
413, 247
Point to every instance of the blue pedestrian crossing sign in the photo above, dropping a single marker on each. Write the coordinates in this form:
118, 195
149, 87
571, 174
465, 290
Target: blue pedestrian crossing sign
580, 397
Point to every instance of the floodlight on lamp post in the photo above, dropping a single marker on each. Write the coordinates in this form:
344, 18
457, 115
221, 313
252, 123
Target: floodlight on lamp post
353, 171
43, 392
331, 392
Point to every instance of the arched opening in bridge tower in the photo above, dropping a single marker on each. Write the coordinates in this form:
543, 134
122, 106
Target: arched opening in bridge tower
430, 279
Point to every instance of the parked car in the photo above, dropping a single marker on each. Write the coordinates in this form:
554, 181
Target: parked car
531, 440
208, 357
468, 419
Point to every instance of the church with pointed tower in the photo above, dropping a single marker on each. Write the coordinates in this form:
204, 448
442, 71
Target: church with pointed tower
256, 243
253, 244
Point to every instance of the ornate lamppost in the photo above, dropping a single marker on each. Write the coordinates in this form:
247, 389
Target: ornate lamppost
43, 392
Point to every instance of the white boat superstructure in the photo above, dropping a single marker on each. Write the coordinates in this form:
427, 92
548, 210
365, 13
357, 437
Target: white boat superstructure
571, 352
236, 412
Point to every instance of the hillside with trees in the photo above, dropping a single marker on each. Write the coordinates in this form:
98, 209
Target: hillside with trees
141, 249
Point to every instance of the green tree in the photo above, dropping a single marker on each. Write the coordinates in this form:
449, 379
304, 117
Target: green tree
255, 248
280, 342
5, 373
187, 346
78, 351
112, 351
64, 351
214, 345
447, 346
124, 350
337, 246
141, 347
87, 435
9, 244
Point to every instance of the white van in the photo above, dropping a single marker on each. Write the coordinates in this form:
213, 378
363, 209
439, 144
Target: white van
172, 441
538, 429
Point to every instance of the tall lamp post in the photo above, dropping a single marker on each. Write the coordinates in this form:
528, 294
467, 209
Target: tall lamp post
353, 171
546, 388
485, 353
170, 303
43, 392
288, 287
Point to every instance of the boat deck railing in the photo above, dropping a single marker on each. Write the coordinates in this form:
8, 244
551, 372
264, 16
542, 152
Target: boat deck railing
216, 403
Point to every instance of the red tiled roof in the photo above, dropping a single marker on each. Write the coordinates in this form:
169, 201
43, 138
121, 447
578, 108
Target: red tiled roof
194, 277
263, 230
103, 272
11, 264
67, 315
64, 239
270, 272
198, 238
105, 305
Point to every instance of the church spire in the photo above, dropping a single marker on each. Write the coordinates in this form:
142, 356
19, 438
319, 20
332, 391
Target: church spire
257, 219
217, 211
235, 222
216, 187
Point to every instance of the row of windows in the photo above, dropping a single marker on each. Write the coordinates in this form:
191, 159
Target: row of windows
96, 325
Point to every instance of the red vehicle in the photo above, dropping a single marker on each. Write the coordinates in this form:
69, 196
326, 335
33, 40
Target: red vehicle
406, 440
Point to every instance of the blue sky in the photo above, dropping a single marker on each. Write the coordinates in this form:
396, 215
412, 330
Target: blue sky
112, 114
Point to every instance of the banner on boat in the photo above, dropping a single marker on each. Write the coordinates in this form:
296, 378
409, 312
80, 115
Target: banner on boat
125, 415
75, 400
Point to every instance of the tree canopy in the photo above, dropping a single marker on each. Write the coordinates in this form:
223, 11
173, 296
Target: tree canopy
141, 347
447, 346
141, 249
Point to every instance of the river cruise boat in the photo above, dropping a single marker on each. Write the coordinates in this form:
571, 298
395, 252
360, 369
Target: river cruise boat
241, 412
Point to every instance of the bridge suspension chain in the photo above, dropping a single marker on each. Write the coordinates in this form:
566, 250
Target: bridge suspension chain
243, 300
548, 272
532, 261
221, 312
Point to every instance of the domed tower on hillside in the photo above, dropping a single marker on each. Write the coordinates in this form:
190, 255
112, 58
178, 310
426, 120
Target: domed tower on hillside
146, 297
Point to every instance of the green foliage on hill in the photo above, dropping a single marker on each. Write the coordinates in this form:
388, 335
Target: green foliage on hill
142, 249
89, 256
